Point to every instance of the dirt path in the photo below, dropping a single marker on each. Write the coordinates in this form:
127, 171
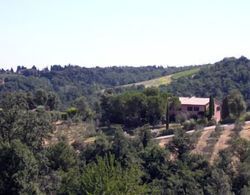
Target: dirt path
222, 142
202, 142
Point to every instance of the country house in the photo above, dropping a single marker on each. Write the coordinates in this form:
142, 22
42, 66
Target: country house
195, 107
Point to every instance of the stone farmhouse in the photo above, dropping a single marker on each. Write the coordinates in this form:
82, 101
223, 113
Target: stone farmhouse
196, 107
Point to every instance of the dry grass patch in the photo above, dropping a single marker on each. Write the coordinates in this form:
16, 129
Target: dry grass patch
245, 133
222, 143
202, 142
71, 133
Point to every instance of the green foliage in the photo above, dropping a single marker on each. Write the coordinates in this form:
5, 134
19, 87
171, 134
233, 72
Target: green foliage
181, 144
216, 79
134, 109
189, 124
155, 109
70, 82
106, 176
52, 101
122, 149
15, 101
155, 162
31, 127
225, 109
41, 97
145, 136
70, 182
186, 73
116, 162
211, 108
62, 157
233, 106
72, 111
236, 103
83, 108
18, 169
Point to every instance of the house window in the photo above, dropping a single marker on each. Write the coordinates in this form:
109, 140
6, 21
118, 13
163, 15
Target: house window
201, 113
190, 108
196, 108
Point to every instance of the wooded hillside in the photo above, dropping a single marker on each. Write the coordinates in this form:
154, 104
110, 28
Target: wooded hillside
216, 79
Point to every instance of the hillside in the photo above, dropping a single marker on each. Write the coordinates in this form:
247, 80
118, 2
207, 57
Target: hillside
211, 141
164, 80
50, 150
70, 82
216, 79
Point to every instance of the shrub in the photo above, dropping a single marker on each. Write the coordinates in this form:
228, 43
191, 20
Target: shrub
181, 117
167, 132
64, 116
247, 116
238, 126
71, 111
55, 115
211, 122
189, 124
228, 120
202, 121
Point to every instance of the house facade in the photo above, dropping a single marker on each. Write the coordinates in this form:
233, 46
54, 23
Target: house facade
196, 107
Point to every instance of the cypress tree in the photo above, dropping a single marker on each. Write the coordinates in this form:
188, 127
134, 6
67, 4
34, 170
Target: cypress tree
211, 107
225, 108
167, 115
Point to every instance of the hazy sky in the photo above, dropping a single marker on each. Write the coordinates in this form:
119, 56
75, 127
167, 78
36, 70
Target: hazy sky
122, 32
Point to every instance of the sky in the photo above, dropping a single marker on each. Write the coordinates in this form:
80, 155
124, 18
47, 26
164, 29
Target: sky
122, 32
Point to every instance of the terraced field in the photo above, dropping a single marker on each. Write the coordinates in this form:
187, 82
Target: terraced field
210, 145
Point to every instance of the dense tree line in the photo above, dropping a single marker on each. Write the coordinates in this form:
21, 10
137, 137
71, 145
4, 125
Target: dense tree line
115, 163
112, 164
135, 108
70, 82
216, 79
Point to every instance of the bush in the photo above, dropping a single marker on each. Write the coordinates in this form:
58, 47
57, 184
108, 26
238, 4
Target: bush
211, 122
238, 126
189, 124
228, 120
71, 112
167, 132
214, 136
202, 121
181, 117
247, 116
64, 116
55, 115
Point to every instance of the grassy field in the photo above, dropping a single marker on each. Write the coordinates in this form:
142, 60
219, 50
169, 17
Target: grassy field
165, 80
184, 73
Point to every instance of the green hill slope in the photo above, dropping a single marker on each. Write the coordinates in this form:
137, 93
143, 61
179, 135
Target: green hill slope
70, 82
217, 79
164, 80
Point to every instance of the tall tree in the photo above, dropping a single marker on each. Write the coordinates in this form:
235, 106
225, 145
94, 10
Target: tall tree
167, 114
41, 97
211, 108
225, 109
236, 104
